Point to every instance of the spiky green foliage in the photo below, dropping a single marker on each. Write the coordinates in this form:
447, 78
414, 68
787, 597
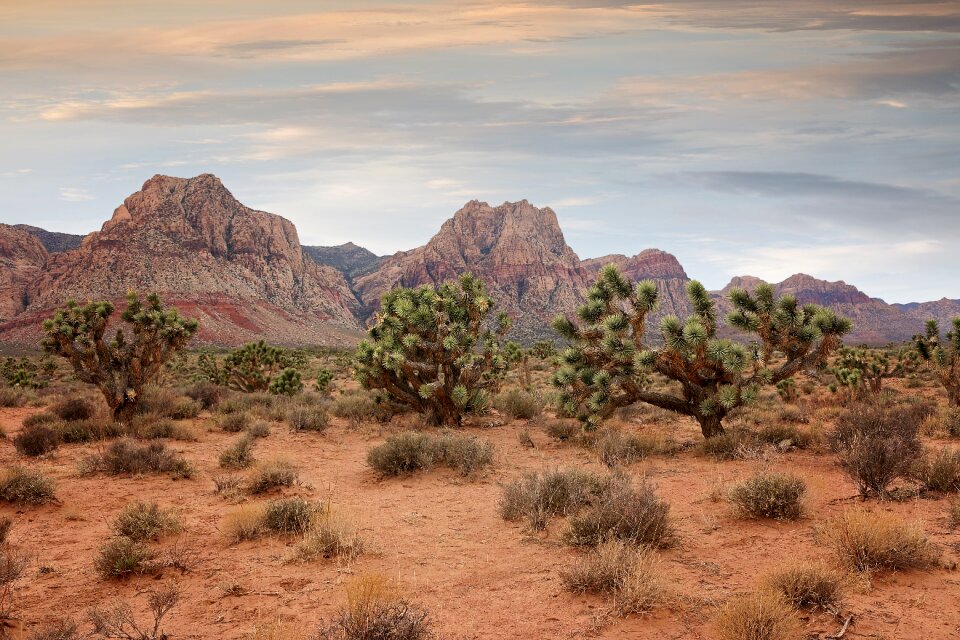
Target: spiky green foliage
432, 349
609, 360
121, 367
286, 383
860, 369
942, 356
519, 357
22, 373
254, 367
324, 378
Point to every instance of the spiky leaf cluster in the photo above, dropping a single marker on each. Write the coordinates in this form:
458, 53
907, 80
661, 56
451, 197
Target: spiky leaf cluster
609, 360
859, 369
121, 367
286, 383
22, 373
323, 380
942, 356
252, 367
433, 350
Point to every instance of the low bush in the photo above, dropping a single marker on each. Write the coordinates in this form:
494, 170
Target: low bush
159, 401
763, 615
770, 495
538, 496
623, 512
518, 404
808, 585
239, 455
288, 516
72, 409
273, 474
6, 523
37, 440
953, 513
122, 556
244, 522
90, 430
151, 426
330, 535
62, 629
358, 408
259, 429
40, 418
234, 403
185, 408
940, 472
20, 485
205, 393
779, 433
303, 417
732, 445
562, 430
10, 398
410, 451
619, 570
615, 448
234, 422
141, 521
876, 443
130, 456
374, 611
868, 542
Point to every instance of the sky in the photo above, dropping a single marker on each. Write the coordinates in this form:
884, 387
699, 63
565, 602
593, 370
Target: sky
745, 137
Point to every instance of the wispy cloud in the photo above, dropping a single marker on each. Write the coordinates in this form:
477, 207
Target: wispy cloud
74, 194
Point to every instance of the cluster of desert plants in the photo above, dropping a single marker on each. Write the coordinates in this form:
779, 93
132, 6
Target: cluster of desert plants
866, 542
770, 495
256, 366
375, 609
23, 486
410, 451
135, 458
943, 357
624, 572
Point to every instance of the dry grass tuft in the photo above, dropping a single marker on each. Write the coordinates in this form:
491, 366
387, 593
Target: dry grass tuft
141, 521
20, 485
331, 535
869, 542
245, 522
374, 611
272, 474
620, 570
623, 512
540, 495
763, 615
770, 495
807, 585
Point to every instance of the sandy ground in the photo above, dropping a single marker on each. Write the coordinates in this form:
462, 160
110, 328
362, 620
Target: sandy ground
442, 538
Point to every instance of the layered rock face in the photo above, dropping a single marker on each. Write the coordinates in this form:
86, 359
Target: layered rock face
517, 249
652, 264
193, 243
22, 259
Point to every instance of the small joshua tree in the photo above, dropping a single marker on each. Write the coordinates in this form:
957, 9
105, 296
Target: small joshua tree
517, 355
431, 349
609, 360
253, 367
286, 383
943, 357
122, 367
858, 369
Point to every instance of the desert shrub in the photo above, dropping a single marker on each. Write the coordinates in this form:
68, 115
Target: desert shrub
776, 433
185, 408
152, 426
731, 445
940, 472
244, 522
410, 451
623, 512
130, 456
616, 448
259, 429
273, 474
87, 430
156, 400
20, 485
141, 521
288, 516
770, 495
205, 393
877, 443
374, 611
62, 629
538, 496
235, 403
10, 398
37, 440
763, 615
808, 585
323, 381
518, 403
357, 408
239, 455
122, 556
330, 535
74, 408
286, 383
302, 417
234, 422
119, 622
41, 418
620, 570
953, 513
562, 430
868, 542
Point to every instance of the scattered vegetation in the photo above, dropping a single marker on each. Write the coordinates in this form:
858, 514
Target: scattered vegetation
410, 451
763, 615
519, 404
538, 496
23, 486
868, 542
943, 357
120, 622
770, 495
941, 471
36, 440
130, 456
624, 572
808, 585
330, 535
303, 417
140, 521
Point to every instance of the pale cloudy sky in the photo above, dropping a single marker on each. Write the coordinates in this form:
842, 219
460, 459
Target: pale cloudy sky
745, 137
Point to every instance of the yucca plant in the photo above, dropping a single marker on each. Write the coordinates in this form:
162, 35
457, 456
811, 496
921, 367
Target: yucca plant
942, 356
609, 360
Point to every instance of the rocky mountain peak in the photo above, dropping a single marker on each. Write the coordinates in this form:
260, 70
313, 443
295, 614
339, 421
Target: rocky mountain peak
22, 258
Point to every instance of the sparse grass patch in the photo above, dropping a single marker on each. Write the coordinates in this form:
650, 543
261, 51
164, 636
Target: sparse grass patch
868, 542
763, 615
205, 393
303, 417
616, 448
330, 535
562, 429
374, 611
272, 474
259, 429
63, 629
10, 397
732, 445
624, 572
185, 408
245, 522
73, 409
538, 496
288, 516
234, 422
410, 451
20, 485
770, 495
239, 455
36, 440
808, 585
122, 556
519, 404
130, 456
89, 430
141, 521
357, 408
623, 512
940, 472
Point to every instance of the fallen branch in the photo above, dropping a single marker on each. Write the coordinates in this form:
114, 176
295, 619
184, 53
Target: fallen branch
842, 631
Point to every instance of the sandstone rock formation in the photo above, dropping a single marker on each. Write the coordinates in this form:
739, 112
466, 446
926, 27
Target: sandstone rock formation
22, 259
652, 264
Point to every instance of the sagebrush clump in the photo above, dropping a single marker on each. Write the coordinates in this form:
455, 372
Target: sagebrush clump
867, 542
410, 451
141, 521
770, 495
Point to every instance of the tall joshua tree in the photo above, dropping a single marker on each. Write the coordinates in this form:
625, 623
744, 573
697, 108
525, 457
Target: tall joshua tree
609, 360
943, 356
433, 350
121, 367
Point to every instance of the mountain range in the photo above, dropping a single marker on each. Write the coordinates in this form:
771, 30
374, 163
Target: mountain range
244, 274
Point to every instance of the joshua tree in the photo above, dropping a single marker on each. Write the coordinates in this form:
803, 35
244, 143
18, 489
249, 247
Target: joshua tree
517, 355
253, 367
860, 368
943, 357
609, 360
122, 367
286, 383
431, 349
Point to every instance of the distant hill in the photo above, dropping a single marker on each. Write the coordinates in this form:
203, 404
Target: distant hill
53, 241
349, 259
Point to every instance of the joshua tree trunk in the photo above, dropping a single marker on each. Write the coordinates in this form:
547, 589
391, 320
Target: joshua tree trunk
710, 425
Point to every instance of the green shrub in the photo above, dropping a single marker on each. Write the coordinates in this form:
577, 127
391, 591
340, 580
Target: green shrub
141, 521
239, 455
20, 485
234, 422
623, 512
410, 451
302, 417
322, 383
273, 474
770, 495
122, 556
71, 409
129, 456
185, 408
36, 440
289, 516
